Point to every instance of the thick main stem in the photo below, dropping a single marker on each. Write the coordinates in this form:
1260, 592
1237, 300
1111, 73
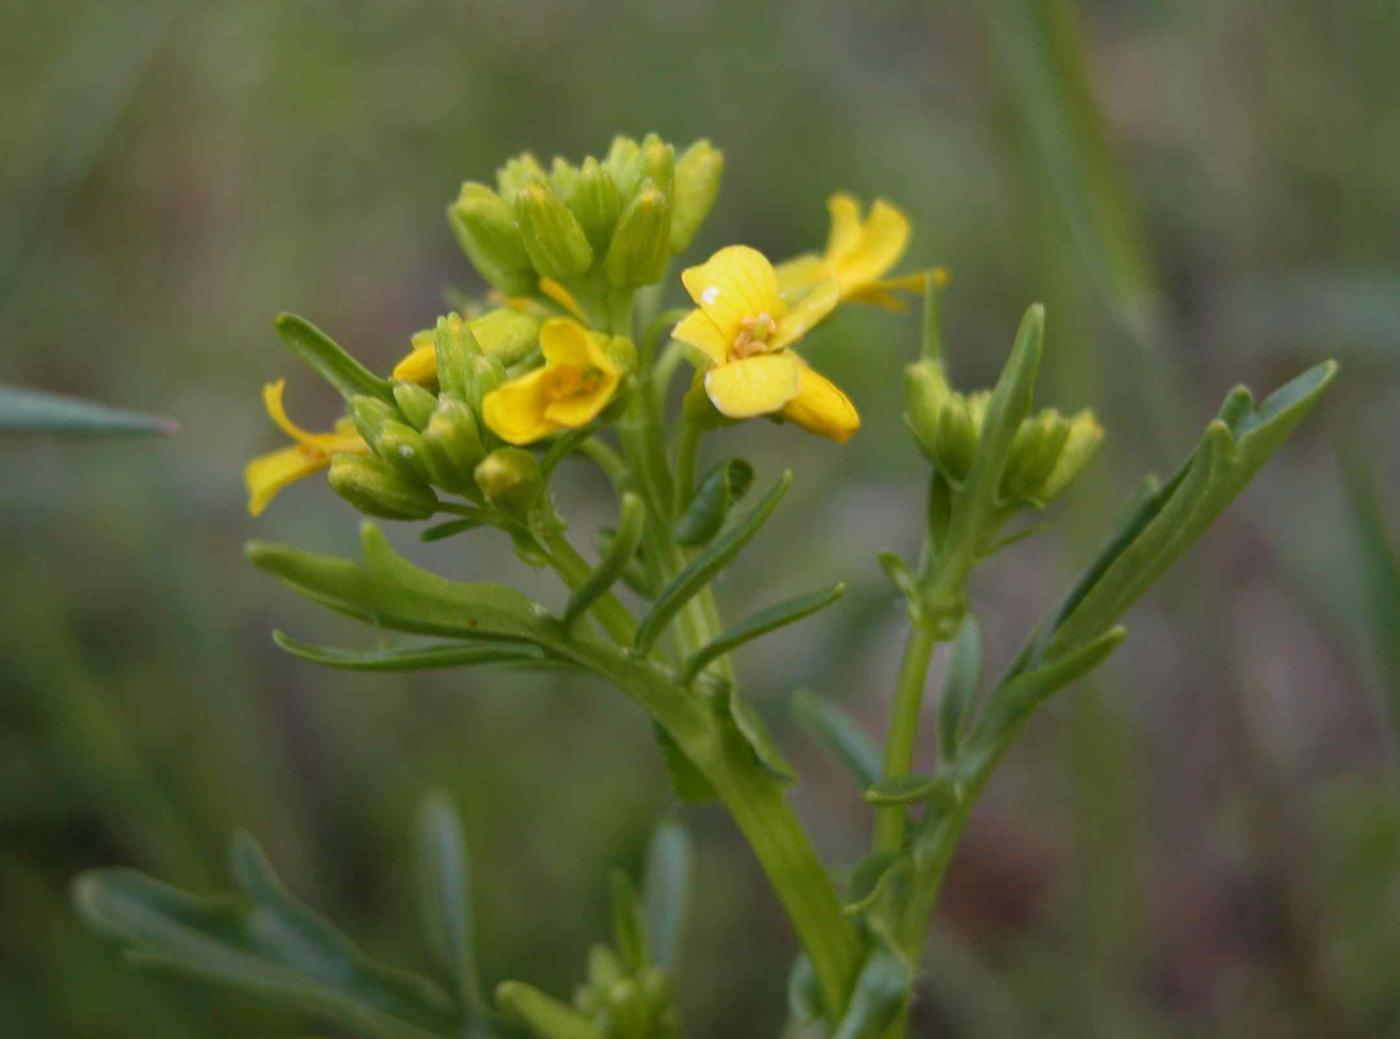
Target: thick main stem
904, 729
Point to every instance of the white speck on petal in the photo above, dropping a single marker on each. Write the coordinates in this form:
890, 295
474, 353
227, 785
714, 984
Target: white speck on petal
710, 294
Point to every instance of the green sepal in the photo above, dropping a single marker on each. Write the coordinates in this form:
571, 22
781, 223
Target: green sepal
779, 615
838, 732
1157, 526
703, 568
641, 244
960, 687
429, 657
34, 411
553, 239
444, 895
545, 1016
882, 988
912, 789
621, 551
260, 941
721, 488
331, 362
669, 865
687, 781
595, 202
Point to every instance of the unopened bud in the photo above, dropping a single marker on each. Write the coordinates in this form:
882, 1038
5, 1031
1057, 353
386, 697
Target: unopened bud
485, 375
456, 347
698, 174
510, 479
377, 488
512, 177
485, 226
452, 445
641, 245
1033, 452
926, 393
659, 164
624, 165
1085, 435
506, 334
371, 415
596, 203
402, 447
563, 176
415, 403
553, 239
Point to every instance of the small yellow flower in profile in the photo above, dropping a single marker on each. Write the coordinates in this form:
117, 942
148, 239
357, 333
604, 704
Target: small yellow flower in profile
858, 254
576, 382
267, 474
743, 327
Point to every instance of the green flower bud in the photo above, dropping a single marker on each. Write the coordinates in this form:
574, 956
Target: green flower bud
595, 202
659, 164
1033, 452
485, 226
1085, 435
604, 968
415, 403
371, 415
402, 447
641, 245
506, 334
926, 393
946, 424
697, 182
554, 241
452, 446
516, 173
563, 176
456, 348
957, 438
485, 375
624, 165
377, 488
623, 353
510, 479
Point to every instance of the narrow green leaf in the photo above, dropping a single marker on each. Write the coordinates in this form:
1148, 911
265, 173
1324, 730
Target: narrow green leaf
330, 361
804, 992
838, 733
622, 549
629, 927
413, 658
263, 943
545, 1016
1380, 580
451, 528
867, 881
687, 781
34, 411
444, 894
959, 688
666, 890
706, 565
908, 789
721, 488
881, 990
759, 739
768, 619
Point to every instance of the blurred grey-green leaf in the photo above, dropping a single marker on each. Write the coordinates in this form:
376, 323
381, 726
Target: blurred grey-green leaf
35, 411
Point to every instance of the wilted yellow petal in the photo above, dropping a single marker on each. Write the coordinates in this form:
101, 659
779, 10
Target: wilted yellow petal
881, 242
267, 474
700, 332
515, 410
758, 385
735, 283
820, 407
272, 401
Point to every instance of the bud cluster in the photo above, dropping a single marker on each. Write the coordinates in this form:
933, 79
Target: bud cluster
1049, 450
609, 224
623, 1004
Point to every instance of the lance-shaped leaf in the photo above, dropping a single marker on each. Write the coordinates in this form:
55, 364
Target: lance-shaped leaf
882, 988
755, 733
34, 411
416, 658
706, 565
911, 789
629, 925
838, 732
391, 592
545, 1016
770, 618
804, 992
621, 550
687, 781
444, 894
452, 528
665, 893
964, 673
721, 488
870, 879
331, 362
1159, 525
262, 942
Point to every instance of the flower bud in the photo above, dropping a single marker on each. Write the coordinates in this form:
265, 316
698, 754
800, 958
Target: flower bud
595, 203
455, 345
553, 239
1033, 452
563, 176
624, 165
622, 352
926, 393
516, 173
641, 245
510, 479
371, 415
1085, 435
697, 182
506, 334
485, 226
415, 403
946, 424
452, 445
958, 434
658, 162
485, 374
377, 488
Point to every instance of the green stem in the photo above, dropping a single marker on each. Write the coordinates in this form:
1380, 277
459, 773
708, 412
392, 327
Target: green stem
574, 569
904, 729
687, 450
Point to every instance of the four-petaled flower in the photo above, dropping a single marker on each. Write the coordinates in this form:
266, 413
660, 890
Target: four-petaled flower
743, 327
267, 474
577, 380
858, 254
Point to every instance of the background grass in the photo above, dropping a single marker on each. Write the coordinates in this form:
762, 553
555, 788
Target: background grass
1206, 841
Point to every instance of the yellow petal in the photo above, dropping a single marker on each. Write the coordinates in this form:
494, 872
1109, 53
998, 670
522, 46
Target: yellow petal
515, 410
562, 296
814, 306
699, 331
735, 283
882, 242
272, 401
798, 275
758, 385
876, 295
267, 474
419, 366
845, 225
564, 341
582, 408
820, 407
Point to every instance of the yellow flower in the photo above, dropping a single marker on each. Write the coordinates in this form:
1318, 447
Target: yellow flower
858, 253
743, 327
267, 474
575, 384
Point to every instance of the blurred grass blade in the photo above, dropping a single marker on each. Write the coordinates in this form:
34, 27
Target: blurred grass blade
666, 890
413, 658
881, 990
838, 733
444, 894
765, 620
34, 411
1380, 577
629, 925
545, 1016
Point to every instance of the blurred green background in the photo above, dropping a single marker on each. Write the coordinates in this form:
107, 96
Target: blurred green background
1206, 841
